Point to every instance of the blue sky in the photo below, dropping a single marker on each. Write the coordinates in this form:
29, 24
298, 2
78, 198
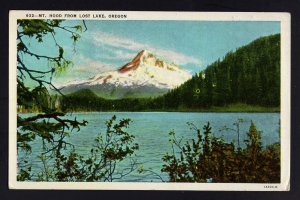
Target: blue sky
107, 45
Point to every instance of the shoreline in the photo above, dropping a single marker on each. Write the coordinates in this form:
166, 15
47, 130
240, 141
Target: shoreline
211, 110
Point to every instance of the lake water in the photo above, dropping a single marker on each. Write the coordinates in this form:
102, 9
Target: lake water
151, 133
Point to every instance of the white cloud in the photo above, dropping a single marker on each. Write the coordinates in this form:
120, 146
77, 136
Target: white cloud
94, 67
115, 49
91, 66
105, 39
87, 69
117, 54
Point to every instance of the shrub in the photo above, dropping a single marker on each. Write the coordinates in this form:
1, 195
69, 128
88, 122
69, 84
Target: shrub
210, 159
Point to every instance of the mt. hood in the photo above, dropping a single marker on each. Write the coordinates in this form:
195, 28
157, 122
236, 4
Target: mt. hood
144, 76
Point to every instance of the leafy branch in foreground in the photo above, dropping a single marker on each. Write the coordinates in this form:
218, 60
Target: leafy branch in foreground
50, 127
110, 149
210, 159
103, 163
39, 30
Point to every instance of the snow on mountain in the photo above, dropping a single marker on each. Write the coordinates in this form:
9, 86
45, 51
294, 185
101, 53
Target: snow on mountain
144, 76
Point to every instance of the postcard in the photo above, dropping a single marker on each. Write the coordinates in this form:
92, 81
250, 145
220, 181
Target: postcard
127, 100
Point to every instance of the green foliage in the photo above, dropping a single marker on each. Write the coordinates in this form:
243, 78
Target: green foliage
86, 100
49, 127
24, 174
250, 75
110, 149
60, 67
38, 30
210, 159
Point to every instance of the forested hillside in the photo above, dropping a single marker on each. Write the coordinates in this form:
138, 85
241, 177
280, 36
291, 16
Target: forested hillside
250, 75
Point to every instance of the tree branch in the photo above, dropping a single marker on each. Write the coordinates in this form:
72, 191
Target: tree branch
35, 71
83, 21
43, 116
41, 82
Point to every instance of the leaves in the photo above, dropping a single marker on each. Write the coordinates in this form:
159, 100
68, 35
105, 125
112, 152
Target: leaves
75, 37
60, 66
210, 159
24, 174
61, 52
110, 148
36, 27
48, 127
78, 28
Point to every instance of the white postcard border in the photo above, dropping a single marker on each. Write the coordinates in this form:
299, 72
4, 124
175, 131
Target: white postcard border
285, 20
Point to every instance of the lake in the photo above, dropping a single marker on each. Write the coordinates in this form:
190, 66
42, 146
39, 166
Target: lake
151, 133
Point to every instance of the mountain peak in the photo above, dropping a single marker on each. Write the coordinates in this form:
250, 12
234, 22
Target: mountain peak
145, 58
142, 55
144, 76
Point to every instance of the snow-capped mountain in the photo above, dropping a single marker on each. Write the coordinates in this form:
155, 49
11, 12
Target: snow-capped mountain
144, 76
